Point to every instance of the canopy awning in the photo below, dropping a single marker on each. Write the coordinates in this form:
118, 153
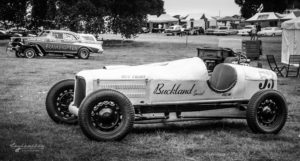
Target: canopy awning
264, 16
164, 18
291, 24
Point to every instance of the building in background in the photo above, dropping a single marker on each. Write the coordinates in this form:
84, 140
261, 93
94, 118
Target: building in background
160, 23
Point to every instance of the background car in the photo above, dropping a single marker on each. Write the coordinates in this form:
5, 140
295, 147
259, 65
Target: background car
225, 30
270, 31
210, 31
4, 35
245, 31
194, 31
173, 30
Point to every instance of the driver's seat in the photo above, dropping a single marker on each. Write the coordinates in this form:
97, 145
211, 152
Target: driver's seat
223, 78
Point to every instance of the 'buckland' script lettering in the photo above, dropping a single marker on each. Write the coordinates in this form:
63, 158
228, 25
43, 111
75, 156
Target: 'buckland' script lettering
175, 90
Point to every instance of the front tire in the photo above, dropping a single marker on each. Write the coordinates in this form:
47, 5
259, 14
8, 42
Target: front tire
106, 115
29, 53
58, 100
267, 112
83, 53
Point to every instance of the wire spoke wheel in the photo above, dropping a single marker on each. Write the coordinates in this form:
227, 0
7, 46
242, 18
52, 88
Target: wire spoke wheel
59, 97
266, 112
63, 100
106, 115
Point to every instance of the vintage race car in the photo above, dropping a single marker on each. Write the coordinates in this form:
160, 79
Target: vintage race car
60, 42
107, 102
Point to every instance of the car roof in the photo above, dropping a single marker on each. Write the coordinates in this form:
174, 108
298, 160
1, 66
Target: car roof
63, 31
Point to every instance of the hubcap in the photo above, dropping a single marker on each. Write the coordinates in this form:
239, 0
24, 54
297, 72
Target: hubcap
30, 54
267, 112
84, 53
106, 116
63, 101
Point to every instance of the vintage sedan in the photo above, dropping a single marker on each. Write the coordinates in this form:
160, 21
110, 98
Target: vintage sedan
107, 102
270, 31
245, 31
55, 42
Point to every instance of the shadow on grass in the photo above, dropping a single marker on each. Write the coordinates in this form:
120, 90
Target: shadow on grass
190, 126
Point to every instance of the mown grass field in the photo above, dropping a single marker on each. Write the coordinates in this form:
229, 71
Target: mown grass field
24, 84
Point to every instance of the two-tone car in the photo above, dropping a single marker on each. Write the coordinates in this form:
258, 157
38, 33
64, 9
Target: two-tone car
60, 42
107, 102
270, 31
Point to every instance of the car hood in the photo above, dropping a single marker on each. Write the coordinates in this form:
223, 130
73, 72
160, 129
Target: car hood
184, 69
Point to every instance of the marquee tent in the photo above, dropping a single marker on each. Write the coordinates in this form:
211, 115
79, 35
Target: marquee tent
290, 39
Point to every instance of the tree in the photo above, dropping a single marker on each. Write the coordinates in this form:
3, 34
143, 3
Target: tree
249, 7
14, 11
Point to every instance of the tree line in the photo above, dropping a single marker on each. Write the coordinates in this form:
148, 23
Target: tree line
93, 16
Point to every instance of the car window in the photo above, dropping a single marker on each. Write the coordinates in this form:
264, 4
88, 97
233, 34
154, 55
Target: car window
57, 35
44, 34
68, 36
88, 38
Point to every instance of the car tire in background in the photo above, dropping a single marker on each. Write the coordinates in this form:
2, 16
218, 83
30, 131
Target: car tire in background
83, 53
58, 100
266, 112
29, 53
106, 115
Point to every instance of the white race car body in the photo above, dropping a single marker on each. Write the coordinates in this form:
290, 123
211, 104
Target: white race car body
177, 82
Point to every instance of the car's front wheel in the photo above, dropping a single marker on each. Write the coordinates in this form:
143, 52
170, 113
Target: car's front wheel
29, 53
83, 53
106, 115
58, 100
267, 112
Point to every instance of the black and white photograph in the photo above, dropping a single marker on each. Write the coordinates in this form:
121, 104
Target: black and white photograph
150, 80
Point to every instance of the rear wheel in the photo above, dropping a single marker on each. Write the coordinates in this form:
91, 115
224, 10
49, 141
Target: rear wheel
58, 100
29, 53
267, 112
106, 115
83, 53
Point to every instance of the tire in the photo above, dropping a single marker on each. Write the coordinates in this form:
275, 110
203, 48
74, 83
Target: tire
29, 53
19, 54
83, 53
273, 35
106, 115
70, 56
58, 100
266, 112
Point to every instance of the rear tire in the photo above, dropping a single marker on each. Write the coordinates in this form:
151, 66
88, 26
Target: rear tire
58, 100
29, 53
83, 53
106, 115
267, 112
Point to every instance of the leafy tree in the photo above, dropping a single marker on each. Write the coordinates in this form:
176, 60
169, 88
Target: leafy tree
249, 7
14, 11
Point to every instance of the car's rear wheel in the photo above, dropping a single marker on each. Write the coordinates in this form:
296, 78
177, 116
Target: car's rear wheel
106, 115
18, 54
273, 34
267, 112
58, 100
29, 53
83, 53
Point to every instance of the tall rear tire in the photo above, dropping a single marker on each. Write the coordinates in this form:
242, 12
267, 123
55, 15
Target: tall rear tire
106, 115
267, 112
83, 53
58, 100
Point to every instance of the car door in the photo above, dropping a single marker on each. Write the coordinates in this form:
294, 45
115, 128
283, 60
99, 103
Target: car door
50, 41
69, 43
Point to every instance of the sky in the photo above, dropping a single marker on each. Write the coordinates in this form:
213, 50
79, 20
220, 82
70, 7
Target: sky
209, 7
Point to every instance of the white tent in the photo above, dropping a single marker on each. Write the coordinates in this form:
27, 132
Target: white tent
290, 39
264, 16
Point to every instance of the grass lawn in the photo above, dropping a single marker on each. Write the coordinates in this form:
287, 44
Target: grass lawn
24, 84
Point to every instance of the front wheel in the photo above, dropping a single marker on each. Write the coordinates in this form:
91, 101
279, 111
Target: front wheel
83, 53
58, 100
267, 112
29, 53
106, 115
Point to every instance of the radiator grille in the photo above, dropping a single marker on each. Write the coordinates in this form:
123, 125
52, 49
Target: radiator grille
132, 89
80, 88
